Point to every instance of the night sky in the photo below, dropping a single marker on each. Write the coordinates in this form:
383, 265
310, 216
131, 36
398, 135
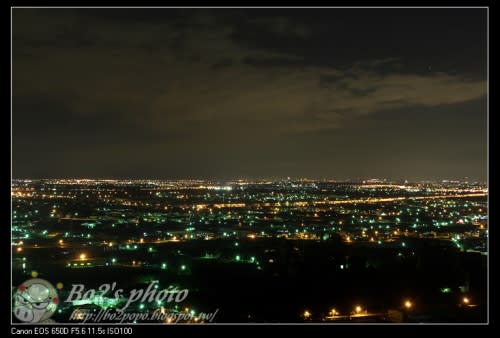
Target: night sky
249, 93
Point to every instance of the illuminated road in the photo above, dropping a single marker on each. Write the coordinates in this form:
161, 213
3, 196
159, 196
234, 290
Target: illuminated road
392, 199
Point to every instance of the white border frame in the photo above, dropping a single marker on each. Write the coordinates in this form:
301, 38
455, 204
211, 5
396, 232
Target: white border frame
272, 7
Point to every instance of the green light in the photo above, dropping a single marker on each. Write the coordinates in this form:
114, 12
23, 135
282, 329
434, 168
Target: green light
236, 244
163, 266
150, 249
238, 258
183, 267
113, 260
141, 306
252, 259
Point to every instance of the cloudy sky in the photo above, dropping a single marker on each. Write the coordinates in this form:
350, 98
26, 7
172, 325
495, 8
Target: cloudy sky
250, 93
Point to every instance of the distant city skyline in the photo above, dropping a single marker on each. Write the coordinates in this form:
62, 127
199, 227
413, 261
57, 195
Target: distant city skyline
258, 179
250, 93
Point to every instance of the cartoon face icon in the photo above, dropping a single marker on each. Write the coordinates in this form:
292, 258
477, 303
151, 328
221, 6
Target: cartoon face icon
35, 301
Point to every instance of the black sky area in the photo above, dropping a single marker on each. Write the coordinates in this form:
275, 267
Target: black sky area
249, 93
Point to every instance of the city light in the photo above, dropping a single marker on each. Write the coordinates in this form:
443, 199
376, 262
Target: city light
288, 229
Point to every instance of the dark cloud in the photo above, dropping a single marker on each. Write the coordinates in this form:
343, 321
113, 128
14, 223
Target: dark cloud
273, 62
222, 64
228, 93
